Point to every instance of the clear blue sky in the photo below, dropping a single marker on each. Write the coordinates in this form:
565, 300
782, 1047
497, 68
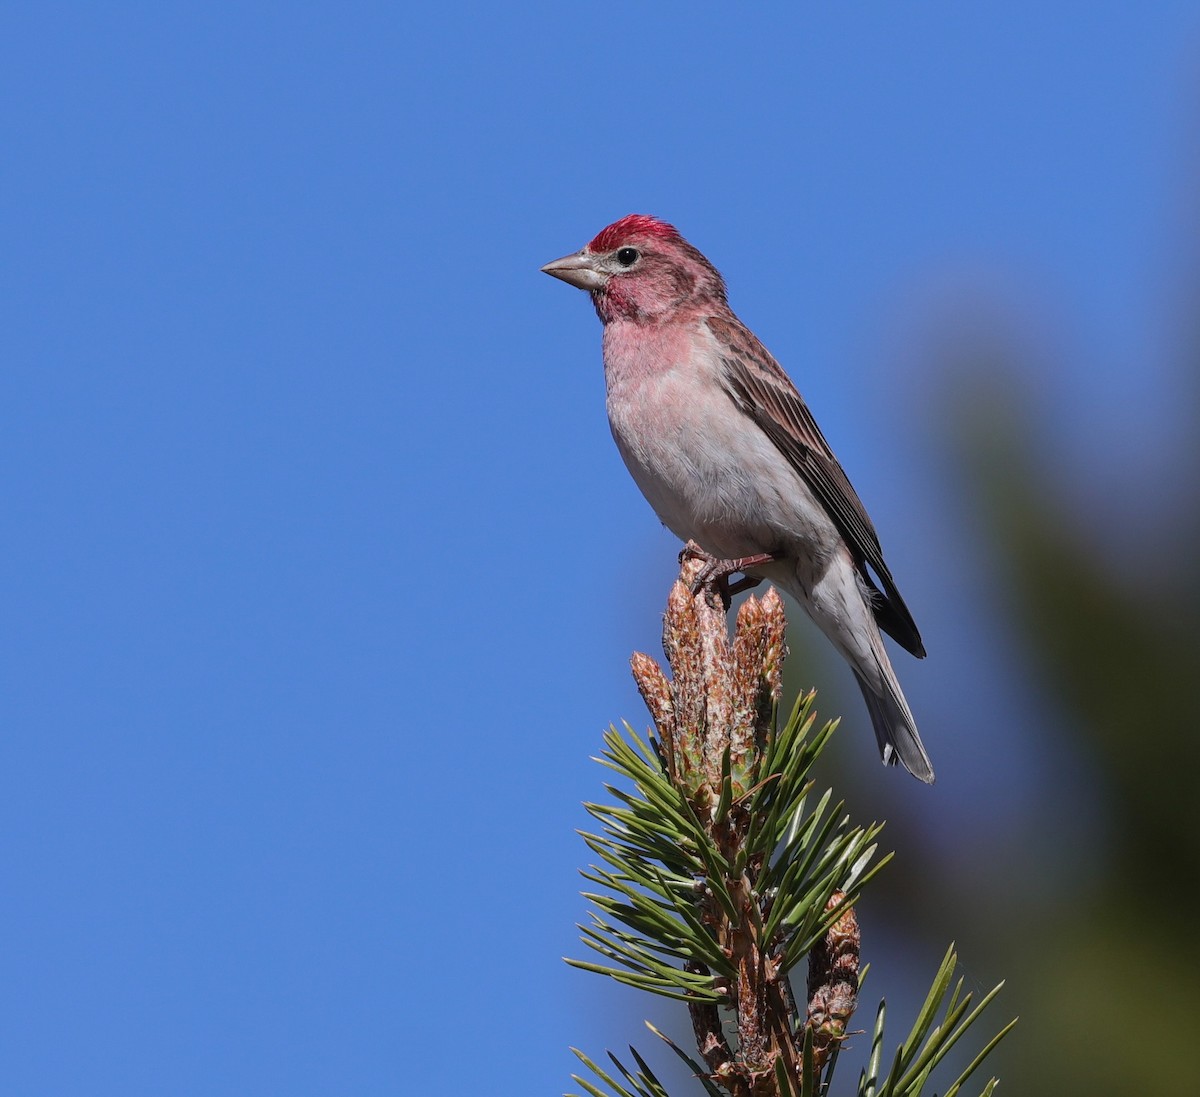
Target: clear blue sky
320, 569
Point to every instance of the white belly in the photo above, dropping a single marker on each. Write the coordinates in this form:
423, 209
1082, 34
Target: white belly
711, 474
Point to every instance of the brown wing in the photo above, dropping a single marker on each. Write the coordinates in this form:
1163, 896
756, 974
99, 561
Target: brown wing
765, 393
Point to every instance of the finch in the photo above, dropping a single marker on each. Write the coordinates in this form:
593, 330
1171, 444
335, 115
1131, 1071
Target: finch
727, 453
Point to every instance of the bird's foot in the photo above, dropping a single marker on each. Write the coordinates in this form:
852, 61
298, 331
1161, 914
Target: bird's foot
714, 575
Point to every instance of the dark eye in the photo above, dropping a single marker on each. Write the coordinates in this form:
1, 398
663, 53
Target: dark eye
627, 256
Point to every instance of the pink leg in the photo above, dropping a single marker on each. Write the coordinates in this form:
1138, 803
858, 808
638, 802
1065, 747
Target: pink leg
715, 573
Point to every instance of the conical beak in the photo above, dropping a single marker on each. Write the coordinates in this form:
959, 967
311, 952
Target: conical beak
578, 270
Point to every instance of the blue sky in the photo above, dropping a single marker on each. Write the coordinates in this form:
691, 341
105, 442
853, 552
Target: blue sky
321, 570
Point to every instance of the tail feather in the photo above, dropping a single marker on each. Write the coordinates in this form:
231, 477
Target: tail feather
895, 729
842, 607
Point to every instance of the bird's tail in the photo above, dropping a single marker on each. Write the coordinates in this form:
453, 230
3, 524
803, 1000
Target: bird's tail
895, 728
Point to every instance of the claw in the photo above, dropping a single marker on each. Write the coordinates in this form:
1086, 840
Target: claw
714, 575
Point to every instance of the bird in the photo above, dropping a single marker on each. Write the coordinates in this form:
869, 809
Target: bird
726, 451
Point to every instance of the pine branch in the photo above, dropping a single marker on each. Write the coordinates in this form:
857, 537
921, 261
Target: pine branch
719, 873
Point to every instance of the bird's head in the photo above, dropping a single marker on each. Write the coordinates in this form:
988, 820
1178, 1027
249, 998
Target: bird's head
641, 269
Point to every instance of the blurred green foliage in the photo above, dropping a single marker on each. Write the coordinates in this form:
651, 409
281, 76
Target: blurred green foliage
1105, 970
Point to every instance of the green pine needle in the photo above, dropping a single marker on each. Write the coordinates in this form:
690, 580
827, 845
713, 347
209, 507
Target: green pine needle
658, 863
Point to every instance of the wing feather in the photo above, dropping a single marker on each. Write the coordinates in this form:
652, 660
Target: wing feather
764, 393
